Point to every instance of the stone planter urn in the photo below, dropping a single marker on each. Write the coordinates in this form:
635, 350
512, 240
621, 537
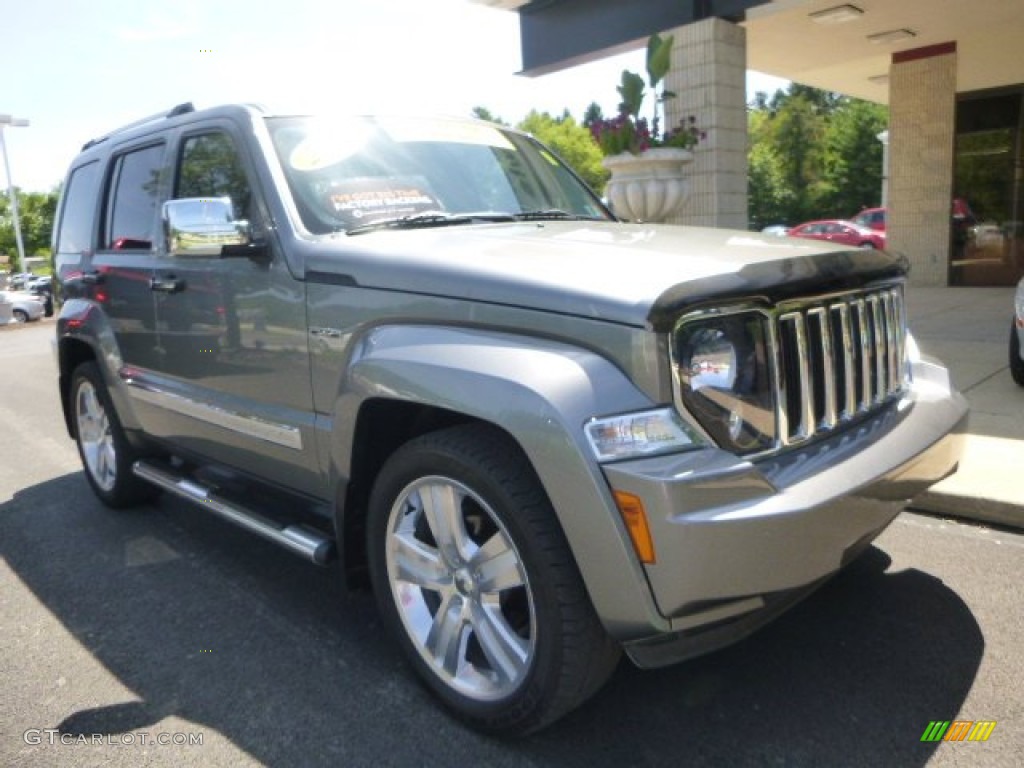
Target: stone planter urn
651, 186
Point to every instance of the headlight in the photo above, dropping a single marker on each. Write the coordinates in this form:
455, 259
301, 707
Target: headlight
725, 380
632, 435
1018, 301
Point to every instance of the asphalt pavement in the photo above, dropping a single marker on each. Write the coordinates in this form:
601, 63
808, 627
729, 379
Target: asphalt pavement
120, 631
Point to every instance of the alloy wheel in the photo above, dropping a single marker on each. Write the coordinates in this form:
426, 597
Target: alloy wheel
460, 588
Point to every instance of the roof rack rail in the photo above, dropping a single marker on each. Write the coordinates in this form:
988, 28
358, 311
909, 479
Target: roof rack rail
180, 109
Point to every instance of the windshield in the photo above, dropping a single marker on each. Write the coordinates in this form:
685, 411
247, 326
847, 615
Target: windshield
347, 174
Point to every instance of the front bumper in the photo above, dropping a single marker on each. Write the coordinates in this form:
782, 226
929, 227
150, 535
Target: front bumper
738, 542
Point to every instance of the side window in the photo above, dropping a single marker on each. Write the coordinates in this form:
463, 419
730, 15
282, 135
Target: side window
74, 234
209, 166
131, 205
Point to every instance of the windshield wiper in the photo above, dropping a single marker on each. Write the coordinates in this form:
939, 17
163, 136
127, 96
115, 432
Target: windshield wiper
553, 213
429, 219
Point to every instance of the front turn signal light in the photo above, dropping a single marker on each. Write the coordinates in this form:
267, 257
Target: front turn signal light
633, 515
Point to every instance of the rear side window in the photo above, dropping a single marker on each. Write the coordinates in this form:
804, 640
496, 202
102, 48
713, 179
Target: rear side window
132, 199
74, 234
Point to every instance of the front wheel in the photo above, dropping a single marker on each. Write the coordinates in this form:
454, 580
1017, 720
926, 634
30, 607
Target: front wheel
107, 455
474, 576
1016, 364
20, 316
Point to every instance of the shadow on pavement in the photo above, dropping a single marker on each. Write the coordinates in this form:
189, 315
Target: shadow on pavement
206, 623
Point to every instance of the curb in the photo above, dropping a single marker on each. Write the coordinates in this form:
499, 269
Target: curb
970, 508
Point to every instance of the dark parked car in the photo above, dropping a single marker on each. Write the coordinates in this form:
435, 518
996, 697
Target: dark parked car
1017, 336
42, 287
840, 232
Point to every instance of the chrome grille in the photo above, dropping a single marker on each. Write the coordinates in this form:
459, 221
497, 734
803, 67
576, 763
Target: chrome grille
837, 358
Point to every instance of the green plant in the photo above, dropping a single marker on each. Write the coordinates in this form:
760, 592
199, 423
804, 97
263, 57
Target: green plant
628, 131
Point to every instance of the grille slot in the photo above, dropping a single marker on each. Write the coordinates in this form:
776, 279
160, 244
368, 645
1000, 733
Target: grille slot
838, 358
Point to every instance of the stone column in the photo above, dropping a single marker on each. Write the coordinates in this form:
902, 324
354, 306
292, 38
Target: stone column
884, 138
708, 76
922, 125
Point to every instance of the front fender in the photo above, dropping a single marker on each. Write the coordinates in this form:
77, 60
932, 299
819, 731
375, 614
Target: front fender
539, 391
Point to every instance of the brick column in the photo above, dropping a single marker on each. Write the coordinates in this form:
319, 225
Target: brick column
708, 76
922, 123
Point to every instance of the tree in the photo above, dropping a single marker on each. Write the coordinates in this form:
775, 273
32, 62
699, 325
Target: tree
853, 157
770, 199
483, 113
573, 143
813, 154
36, 211
592, 115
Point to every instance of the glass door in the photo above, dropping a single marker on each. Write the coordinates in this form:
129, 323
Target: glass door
986, 237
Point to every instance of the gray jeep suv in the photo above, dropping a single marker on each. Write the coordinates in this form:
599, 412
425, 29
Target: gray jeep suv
424, 350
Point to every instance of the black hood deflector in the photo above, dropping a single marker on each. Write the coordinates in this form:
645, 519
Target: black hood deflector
770, 282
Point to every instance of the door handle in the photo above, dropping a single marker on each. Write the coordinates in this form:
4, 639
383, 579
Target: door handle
92, 277
168, 284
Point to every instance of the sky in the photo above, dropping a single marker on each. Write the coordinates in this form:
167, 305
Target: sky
77, 70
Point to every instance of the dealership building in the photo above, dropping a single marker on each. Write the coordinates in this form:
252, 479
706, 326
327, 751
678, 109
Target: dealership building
950, 71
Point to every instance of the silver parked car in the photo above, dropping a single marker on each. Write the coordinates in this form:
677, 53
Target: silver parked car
24, 306
1017, 336
543, 436
6, 311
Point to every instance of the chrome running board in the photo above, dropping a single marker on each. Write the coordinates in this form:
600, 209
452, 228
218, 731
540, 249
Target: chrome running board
300, 539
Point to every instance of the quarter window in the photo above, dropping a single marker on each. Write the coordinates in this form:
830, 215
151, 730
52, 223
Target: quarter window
76, 222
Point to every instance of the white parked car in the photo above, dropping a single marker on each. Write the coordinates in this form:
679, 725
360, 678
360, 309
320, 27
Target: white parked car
24, 306
1017, 336
6, 311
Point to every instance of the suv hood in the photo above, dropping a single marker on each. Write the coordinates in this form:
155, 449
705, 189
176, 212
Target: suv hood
638, 274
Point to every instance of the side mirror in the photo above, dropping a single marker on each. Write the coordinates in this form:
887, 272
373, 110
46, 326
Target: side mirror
204, 226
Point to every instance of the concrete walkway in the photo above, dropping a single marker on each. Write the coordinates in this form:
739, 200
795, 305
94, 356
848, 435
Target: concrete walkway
969, 330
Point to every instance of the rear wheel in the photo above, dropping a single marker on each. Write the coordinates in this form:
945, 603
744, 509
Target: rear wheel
1016, 364
106, 454
474, 576
20, 316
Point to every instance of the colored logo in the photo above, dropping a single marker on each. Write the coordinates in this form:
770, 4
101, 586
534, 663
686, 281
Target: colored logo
958, 730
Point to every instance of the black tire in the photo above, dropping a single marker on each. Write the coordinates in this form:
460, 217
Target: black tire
524, 644
20, 316
868, 244
106, 454
1016, 364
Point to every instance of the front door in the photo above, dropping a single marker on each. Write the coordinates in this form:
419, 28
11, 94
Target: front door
231, 332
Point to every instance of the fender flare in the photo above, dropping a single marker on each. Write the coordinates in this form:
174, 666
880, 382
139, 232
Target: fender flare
79, 325
539, 391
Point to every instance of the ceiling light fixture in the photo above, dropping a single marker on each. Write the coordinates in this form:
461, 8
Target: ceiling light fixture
836, 15
892, 36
